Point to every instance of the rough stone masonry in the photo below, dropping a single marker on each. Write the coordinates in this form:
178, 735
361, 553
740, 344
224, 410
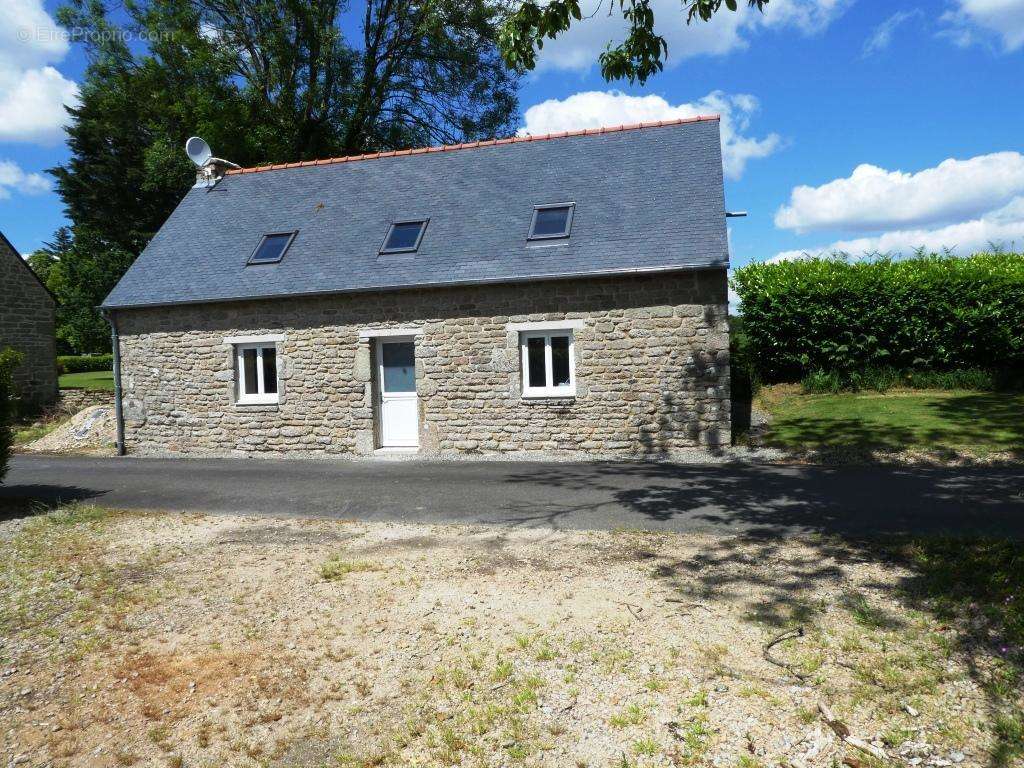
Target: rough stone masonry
27, 324
652, 370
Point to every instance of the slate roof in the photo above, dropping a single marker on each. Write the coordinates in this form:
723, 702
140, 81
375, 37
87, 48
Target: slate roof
648, 197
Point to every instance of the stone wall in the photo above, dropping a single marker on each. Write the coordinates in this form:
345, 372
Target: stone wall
74, 400
27, 323
652, 370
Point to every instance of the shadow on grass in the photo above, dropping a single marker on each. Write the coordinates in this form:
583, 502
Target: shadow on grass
970, 584
973, 586
947, 428
978, 586
977, 417
18, 501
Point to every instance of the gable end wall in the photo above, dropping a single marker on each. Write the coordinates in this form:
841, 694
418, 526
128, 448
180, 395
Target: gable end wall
652, 370
27, 323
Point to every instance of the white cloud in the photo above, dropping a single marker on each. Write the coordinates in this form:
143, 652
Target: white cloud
881, 37
32, 105
594, 109
975, 21
32, 93
1003, 226
14, 179
28, 36
808, 16
578, 49
874, 199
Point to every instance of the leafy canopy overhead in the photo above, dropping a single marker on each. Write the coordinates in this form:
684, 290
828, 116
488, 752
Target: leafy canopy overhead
263, 81
268, 81
637, 57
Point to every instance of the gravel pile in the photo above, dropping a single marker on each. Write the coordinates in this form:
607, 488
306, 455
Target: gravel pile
91, 430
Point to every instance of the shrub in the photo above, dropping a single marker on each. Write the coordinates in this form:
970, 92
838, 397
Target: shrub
9, 359
927, 313
84, 363
882, 379
744, 375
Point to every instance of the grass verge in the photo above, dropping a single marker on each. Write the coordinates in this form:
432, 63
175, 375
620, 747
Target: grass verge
101, 380
936, 421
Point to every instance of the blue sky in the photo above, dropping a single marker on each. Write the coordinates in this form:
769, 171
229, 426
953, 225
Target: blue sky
852, 124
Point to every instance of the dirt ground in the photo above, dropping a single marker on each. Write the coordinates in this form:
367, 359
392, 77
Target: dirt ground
145, 639
90, 432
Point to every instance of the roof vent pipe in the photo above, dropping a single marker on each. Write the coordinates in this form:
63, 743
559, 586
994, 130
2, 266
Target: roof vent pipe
209, 169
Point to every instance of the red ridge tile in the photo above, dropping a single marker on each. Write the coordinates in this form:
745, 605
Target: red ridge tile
476, 144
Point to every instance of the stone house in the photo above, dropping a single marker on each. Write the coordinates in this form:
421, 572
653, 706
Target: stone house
542, 294
28, 324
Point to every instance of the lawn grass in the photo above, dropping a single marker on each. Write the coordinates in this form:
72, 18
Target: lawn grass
103, 380
961, 421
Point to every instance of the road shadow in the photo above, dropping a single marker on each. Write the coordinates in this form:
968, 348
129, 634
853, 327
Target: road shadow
18, 501
781, 500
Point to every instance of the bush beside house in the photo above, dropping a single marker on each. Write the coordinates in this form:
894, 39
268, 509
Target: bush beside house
837, 323
9, 359
84, 363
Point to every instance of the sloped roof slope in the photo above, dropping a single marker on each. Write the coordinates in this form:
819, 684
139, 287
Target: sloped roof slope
647, 197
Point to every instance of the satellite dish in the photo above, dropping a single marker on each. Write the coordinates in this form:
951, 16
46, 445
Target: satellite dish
198, 151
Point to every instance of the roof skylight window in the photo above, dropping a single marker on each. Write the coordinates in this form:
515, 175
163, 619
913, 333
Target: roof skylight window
404, 236
272, 248
551, 221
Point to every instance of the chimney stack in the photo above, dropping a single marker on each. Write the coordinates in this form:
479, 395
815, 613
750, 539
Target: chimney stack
209, 169
210, 172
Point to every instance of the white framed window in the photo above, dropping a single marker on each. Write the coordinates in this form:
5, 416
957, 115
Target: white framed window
256, 365
549, 363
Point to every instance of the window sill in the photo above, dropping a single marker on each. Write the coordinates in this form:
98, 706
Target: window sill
266, 405
548, 397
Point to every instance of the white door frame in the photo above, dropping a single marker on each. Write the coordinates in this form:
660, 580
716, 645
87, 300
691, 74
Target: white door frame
403, 406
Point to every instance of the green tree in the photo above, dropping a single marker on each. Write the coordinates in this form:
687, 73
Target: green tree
263, 81
638, 56
82, 277
45, 259
80, 271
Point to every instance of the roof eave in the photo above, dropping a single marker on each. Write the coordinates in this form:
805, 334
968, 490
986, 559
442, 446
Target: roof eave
724, 264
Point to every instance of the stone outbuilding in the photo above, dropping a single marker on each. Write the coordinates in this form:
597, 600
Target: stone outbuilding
28, 324
535, 295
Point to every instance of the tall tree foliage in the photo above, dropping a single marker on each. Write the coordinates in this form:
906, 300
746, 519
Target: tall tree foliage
639, 55
80, 271
263, 81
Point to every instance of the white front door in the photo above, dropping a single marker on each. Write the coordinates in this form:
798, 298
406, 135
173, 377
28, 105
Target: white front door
399, 412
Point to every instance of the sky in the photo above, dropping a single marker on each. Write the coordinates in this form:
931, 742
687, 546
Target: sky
855, 125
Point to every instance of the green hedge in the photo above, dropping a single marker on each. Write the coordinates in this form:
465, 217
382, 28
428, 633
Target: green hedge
883, 379
9, 359
924, 313
84, 363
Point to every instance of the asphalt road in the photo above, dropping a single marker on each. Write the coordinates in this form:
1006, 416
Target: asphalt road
870, 500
